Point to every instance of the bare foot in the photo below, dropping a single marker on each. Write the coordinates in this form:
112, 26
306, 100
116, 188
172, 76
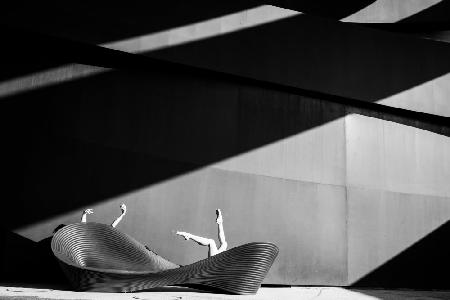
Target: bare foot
123, 208
219, 219
186, 235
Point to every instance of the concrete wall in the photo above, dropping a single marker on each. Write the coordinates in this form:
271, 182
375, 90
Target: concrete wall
137, 137
397, 194
341, 194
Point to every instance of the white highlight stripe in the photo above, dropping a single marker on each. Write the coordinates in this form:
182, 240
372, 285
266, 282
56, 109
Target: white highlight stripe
389, 11
47, 78
202, 30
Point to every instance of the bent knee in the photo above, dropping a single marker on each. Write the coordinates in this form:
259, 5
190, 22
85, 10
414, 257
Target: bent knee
223, 247
212, 243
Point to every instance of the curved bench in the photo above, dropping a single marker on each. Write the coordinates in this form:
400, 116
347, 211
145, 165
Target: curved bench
98, 257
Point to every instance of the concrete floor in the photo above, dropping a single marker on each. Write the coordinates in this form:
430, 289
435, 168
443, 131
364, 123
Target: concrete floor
178, 293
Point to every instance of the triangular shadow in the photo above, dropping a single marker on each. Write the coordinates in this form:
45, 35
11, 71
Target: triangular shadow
424, 265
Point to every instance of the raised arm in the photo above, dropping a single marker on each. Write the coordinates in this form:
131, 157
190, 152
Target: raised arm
85, 213
123, 207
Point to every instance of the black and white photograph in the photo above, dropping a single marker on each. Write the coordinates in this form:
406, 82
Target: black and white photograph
225, 150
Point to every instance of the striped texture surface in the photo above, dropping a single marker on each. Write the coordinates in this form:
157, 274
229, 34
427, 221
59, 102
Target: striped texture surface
98, 257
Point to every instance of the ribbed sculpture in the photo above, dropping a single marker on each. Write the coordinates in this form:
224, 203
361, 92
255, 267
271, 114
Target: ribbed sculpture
98, 257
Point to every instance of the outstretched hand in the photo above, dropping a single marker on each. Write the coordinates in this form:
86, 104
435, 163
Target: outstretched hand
123, 207
89, 211
219, 219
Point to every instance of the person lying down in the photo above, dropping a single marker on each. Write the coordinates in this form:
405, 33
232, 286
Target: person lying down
210, 243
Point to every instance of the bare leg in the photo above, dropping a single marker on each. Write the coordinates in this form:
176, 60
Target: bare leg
213, 250
201, 241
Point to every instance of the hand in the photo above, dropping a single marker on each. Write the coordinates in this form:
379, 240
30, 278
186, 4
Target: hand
184, 234
219, 219
123, 207
89, 211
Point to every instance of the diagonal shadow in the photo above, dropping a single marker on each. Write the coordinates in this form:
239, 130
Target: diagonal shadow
84, 141
70, 139
425, 23
321, 55
434, 15
49, 51
424, 265
323, 8
101, 22
245, 53
95, 138
118, 22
